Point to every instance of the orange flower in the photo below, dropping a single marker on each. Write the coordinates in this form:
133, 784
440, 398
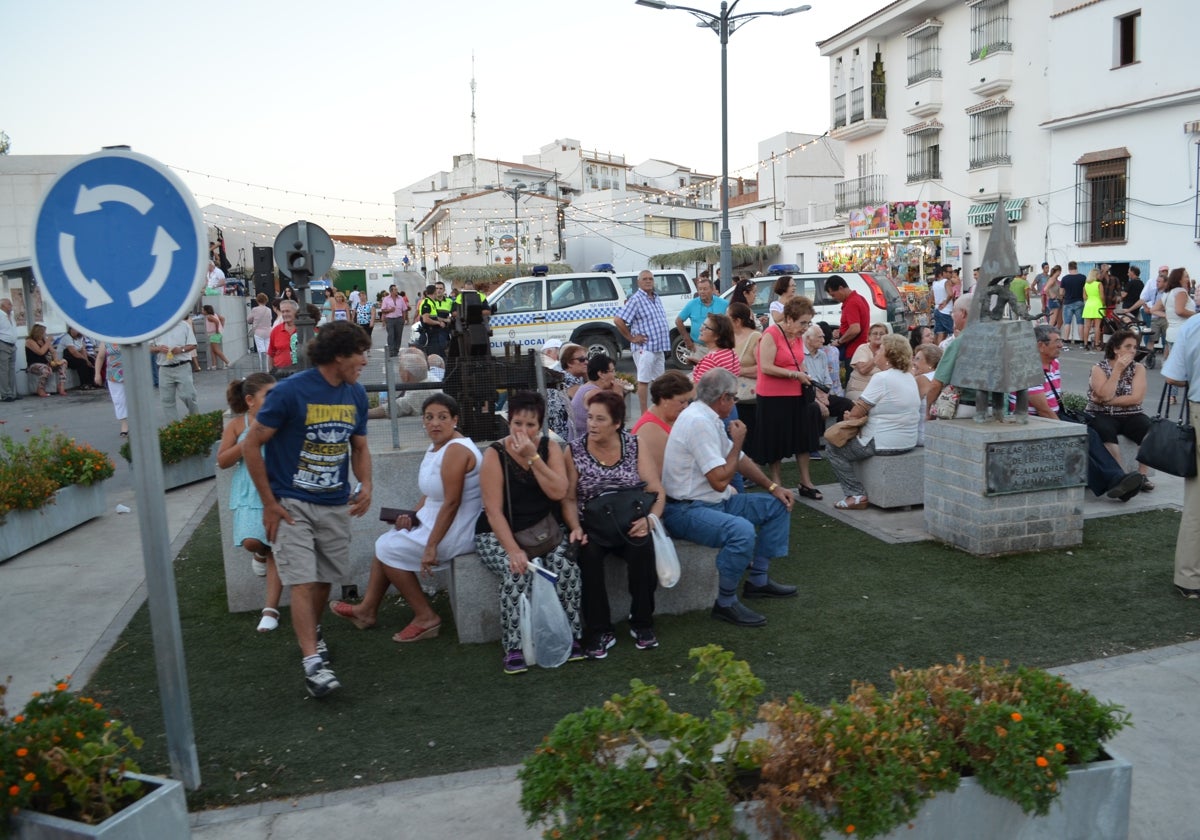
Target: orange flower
62, 686
14, 790
1041, 761
22, 752
19, 719
1059, 747
850, 828
1016, 716
29, 777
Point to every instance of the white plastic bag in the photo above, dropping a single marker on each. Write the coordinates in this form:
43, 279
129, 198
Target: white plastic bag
550, 629
666, 561
524, 624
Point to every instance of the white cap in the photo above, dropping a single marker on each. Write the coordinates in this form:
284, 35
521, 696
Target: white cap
552, 344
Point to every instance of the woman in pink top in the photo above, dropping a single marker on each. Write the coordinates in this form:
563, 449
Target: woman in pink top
670, 394
779, 430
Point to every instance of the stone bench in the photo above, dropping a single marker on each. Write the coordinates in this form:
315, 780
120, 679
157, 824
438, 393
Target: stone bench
894, 481
474, 591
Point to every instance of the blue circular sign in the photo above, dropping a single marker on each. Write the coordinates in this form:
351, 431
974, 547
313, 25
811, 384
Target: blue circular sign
119, 246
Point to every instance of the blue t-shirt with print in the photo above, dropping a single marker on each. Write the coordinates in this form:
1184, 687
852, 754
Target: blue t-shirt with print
309, 456
695, 310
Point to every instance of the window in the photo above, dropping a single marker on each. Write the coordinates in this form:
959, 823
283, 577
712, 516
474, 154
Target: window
924, 152
989, 133
924, 56
1101, 187
686, 229
989, 28
1125, 44
523, 297
658, 226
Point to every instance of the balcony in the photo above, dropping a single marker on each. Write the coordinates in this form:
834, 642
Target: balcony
925, 96
854, 193
995, 73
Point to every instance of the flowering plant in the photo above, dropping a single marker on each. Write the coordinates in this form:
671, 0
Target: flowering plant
195, 434
31, 472
64, 755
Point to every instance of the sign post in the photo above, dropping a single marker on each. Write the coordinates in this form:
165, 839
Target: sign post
119, 247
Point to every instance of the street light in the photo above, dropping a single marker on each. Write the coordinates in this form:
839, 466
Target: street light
724, 24
515, 192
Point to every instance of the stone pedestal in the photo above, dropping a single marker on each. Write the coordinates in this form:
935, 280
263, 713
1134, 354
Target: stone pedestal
996, 488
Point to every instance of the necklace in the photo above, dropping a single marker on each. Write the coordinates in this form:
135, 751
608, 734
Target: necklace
605, 461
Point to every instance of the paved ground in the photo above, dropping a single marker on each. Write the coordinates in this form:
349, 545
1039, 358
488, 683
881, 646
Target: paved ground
63, 604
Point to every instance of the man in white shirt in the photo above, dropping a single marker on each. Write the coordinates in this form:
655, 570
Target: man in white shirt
174, 350
749, 528
216, 279
943, 324
1182, 369
8, 351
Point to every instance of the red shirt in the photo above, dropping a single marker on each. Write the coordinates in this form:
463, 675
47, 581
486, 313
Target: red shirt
279, 346
855, 310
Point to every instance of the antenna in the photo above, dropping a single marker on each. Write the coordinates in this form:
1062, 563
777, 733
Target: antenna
474, 179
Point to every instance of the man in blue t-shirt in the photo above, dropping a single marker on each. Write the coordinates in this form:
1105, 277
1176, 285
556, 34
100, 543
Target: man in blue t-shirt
1072, 301
696, 310
311, 429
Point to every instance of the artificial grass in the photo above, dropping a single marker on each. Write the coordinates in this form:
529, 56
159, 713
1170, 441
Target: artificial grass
435, 707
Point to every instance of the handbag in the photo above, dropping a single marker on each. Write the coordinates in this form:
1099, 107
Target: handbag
946, 406
1170, 445
608, 516
840, 433
1068, 415
745, 390
666, 560
543, 536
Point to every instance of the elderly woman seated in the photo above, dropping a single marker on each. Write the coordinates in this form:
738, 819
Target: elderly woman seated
891, 404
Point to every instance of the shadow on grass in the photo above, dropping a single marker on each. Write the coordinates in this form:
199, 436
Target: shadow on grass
437, 706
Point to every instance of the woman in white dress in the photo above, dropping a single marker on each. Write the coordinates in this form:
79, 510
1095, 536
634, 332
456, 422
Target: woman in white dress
441, 527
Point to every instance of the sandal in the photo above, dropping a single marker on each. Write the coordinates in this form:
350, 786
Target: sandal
269, 620
852, 503
1147, 485
810, 493
415, 632
346, 611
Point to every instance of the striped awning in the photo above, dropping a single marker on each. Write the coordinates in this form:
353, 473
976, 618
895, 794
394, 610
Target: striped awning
981, 215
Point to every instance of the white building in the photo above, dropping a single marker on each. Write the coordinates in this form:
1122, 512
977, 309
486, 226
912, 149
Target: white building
1057, 106
1123, 121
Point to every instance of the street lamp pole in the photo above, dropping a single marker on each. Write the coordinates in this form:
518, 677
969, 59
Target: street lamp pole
724, 25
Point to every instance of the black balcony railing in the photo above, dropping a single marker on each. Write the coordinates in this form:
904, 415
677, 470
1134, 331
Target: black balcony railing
859, 192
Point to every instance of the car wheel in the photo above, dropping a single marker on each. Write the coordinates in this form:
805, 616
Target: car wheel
680, 358
597, 343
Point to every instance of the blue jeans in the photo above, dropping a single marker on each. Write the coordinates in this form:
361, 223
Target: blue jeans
1103, 471
749, 529
1073, 312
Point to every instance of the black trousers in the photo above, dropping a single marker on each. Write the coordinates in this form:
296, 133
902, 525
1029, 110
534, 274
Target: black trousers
643, 580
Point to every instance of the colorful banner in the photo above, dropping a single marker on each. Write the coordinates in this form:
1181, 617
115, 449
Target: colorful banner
919, 218
869, 221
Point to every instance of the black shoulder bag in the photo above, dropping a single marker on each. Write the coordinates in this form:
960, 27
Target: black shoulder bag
543, 536
1065, 414
1170, 446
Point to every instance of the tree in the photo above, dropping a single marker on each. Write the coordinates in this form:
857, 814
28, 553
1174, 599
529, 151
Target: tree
5, 143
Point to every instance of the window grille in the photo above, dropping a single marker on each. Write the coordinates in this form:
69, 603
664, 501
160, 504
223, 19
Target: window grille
989, 28
1101, 190
989, 138
839, 111
924, 156
924, 56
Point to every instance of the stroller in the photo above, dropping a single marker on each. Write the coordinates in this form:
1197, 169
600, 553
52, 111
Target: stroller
1147, 352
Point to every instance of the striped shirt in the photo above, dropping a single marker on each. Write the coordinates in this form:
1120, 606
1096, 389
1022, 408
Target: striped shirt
717, 358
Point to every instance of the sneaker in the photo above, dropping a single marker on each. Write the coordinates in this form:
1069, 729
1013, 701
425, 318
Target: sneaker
259, 567
599, 647
1190, 594
514, 662
321, 682
643, 638
323, 649
815, 455
577, 653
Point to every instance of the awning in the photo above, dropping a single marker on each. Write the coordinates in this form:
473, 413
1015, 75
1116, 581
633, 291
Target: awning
981, 215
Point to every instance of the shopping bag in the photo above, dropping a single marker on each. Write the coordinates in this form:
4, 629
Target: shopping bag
550, 628
1170, 445
524, 625
666, 560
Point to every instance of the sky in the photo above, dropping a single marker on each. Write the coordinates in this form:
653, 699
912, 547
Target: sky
321, 110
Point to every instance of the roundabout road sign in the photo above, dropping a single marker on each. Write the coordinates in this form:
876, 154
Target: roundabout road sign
119, 246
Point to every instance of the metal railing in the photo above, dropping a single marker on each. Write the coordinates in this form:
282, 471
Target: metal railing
989, 28
989, 139
859, 192
924, 58
839, 111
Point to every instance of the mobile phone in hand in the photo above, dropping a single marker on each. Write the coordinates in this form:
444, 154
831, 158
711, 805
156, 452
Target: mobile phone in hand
390, 515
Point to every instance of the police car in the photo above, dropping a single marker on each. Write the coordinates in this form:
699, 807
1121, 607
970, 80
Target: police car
577, 308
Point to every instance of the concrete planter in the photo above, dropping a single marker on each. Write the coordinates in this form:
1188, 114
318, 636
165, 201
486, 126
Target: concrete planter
190, 470
74, 505
161, 813
1094, 805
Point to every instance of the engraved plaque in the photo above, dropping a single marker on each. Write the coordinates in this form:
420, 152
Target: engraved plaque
1028, 466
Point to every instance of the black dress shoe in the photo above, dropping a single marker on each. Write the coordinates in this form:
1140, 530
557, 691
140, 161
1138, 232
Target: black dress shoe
1125, 489
770, 589
739, 614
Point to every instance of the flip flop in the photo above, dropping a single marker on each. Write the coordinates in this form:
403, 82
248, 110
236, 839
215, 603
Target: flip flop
810, 493
415, 632
346, 611
852, 503
269, 620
